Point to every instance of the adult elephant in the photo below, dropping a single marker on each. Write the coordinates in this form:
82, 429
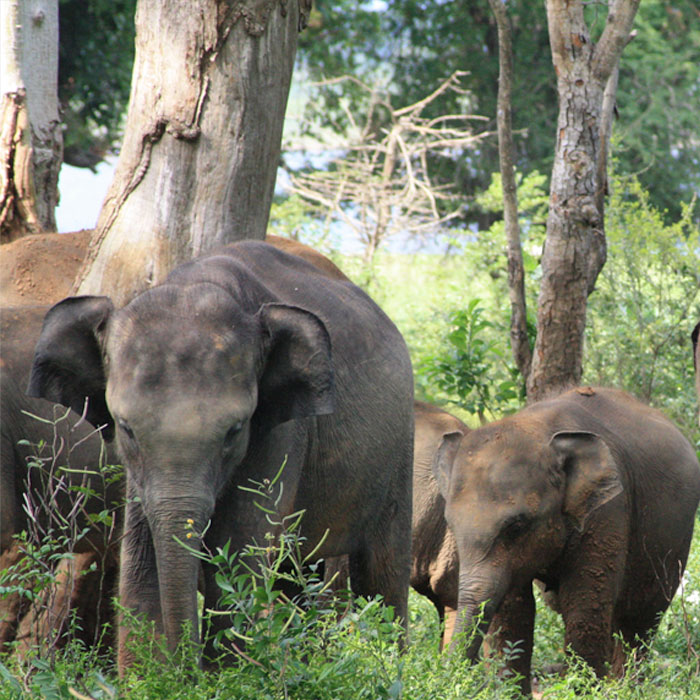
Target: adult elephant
592, 493
41, 268
242, 361
55, 497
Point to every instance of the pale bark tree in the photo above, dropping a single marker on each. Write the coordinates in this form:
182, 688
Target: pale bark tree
202, 140
31, 142
575, 250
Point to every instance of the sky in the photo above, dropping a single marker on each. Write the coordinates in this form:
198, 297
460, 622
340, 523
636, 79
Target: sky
81, 195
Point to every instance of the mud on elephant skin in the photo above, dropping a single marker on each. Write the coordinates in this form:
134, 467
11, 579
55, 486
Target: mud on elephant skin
238, 362
71, 442
592, 493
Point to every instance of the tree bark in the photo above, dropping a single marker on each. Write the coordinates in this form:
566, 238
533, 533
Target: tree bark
519, 341
31, 142
574, 250
202, 143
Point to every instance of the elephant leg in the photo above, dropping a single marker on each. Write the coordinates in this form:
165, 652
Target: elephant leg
449, 618
11, 606
511, 633
46, 624
587, 597
382, 565
138, 579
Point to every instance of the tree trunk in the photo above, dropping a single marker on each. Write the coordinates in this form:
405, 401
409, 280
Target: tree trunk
574, 250
519, 341
31, 142
202, 143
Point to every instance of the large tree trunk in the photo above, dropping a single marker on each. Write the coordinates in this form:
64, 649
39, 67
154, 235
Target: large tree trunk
575, 250
31, 142
200, 154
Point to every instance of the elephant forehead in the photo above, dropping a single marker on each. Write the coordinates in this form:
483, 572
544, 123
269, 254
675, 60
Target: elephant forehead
507, 465
171, 353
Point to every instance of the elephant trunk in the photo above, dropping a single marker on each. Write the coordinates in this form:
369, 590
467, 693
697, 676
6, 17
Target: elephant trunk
481, 591
171, 520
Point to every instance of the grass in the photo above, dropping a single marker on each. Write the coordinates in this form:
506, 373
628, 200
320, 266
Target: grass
308, 650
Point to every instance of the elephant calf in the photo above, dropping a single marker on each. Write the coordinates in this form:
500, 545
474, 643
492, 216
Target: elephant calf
69, 442
240, 362
592, 493
434, 560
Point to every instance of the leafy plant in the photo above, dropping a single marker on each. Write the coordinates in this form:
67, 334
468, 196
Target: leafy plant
465, 368
646, 303
44, 569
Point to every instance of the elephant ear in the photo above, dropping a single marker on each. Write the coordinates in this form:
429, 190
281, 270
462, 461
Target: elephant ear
297, 371
444, 459
696, 358
68, 366
694, 339
592, 475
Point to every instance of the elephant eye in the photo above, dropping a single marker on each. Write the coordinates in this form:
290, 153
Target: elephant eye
514, 526
232, 434
126, 429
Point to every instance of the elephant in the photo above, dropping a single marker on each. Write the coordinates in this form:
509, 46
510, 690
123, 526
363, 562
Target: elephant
590, 492
241, 361
40, 268
434, 561
76, 443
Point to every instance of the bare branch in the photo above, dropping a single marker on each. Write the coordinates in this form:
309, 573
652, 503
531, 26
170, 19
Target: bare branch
381, 185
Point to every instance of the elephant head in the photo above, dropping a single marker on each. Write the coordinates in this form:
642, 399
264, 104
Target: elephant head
514, 493
184, 377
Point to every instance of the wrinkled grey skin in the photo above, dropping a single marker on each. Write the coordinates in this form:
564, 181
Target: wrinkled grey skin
238, 362
75, 442
696, 360
592, 493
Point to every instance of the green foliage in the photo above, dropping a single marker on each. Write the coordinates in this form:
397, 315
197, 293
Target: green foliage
319, 647
646, 303
96, 54
658, 104
466, 368
413, 44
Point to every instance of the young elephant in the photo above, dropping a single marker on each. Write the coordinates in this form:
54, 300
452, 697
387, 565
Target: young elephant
240, 362
434, 561
591, 492
74, 443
